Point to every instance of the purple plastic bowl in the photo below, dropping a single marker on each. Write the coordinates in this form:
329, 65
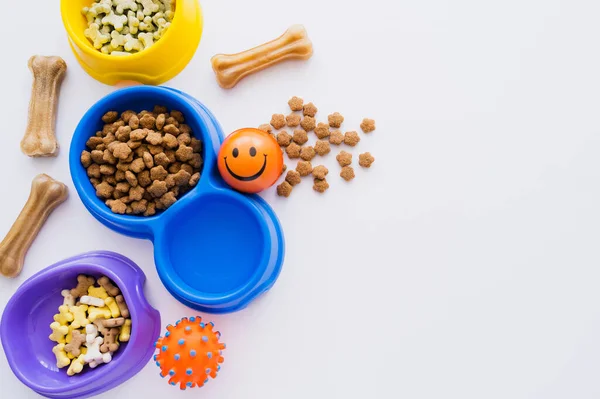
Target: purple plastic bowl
24, 329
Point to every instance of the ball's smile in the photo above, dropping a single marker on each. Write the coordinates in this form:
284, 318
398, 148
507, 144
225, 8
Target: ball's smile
247, 178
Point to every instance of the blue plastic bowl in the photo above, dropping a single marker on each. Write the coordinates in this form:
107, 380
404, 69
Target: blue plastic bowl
215, 249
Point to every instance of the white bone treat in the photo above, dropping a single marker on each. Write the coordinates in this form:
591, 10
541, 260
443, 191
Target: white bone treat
69, 299
231, 68
106, 358
46, 194
91, 332
40, 138
92, 301
93, 351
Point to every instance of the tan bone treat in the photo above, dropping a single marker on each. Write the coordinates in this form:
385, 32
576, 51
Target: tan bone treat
122, 306
40, 138
108, 286
46, 194
231, 68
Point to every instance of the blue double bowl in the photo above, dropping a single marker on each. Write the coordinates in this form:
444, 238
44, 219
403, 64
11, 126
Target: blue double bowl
215, 249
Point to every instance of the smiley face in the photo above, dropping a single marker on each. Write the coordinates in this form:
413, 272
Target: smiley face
250, 160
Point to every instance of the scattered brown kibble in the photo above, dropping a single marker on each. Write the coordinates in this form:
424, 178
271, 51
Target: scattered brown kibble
300, 136
335, 120
347, 173
307, 153
367, 125
322, 130
284, 139
293, 177
308, 123
365, 160
265, 127
296, 103
284, 189
293, 120
320, 185
304, 168
336, 137
278, 121
344, 158
322, 147
293, 150
351, 138
141, 163
309, 110
320, 172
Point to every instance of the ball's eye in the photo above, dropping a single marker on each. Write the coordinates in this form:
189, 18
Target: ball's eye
252, 151
235, 152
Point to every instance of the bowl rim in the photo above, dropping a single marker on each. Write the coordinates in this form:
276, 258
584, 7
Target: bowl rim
87, 48
82, 264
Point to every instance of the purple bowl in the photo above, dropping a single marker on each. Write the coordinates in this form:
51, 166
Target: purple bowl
24, 328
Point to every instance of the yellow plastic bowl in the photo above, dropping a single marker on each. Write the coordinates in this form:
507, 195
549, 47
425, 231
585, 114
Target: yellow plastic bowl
153, 66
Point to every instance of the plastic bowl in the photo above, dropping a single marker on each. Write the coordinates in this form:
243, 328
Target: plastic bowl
28, 314
215, 249
156, 65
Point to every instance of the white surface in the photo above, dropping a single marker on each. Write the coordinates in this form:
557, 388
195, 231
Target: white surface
465, 264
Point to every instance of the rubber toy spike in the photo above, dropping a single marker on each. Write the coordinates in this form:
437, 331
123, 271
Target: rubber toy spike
189, 353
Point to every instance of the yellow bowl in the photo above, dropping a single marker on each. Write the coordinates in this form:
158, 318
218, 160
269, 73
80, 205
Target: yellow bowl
153, 66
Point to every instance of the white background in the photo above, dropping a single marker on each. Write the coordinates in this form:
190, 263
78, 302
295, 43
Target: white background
464, 264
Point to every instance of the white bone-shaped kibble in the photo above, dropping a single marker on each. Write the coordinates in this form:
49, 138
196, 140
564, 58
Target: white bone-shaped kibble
91, 332
93, 351
147, 39
149, 6
97, 37
106, 358
122, 5
117, 21
92, 301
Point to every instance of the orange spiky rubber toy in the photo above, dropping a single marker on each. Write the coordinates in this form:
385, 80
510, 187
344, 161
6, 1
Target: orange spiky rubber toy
189, 353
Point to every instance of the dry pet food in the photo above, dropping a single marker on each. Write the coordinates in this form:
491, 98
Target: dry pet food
265, 127
278, 121
365, 160
79, 339
320, 185
231, 68
284, 189
307, 153
347, 173
300, 136
351, 138
344, 158
45, 195
367, 125
322, 147
320, 172
336, 137
296, 103
304, 168
335, 120
48, 74
123, 27
293, 177
322, 130
293, 120
293, 150
284, 139
141, 163
309, 110
308, 123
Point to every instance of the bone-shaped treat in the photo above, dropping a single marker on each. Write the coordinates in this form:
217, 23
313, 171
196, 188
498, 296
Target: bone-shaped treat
46, 194
48, 74
231, 68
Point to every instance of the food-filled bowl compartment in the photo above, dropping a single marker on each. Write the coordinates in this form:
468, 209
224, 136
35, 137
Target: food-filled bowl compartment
26, 319
156, 64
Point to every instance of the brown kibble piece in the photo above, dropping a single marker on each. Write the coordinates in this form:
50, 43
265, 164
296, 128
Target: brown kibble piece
278, 121
322, 130
183, 128
300, 136
347, 173
265, 127
367, 125
187, 168
86, 158
137, 165
148, 122
307, 153
154, 138
293, 150
158, 173
308, 123
83, 284
104, 190
160, 121
107, 170
336, 137
162, 160
320, 185
293, 177
196, 145
110, 117
155, 149
196, 161
293, 120
309, 110
120, 175
123, 187
344, 158
108, 286
174, 167
365, 160
144, 178
322, 147
136, 193
167, 200
123, 133
171, 129
110, 180
121, 151
296, 103
110, 343
151, 210
185, 139
138, 134
178, 115
304, 168
97, 156
170, 141
159, 109
320, 172
184, 153
284, 139
117, 206
74, 346
148, 160
351, 138
158, 188
131, 179
126, 115
194, 179
284, 189
171, 121
94, 171
93, 142
107, 156
335, 120
121, 302
134, 122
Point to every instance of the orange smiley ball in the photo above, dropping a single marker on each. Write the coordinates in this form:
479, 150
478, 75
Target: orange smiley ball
250, 160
